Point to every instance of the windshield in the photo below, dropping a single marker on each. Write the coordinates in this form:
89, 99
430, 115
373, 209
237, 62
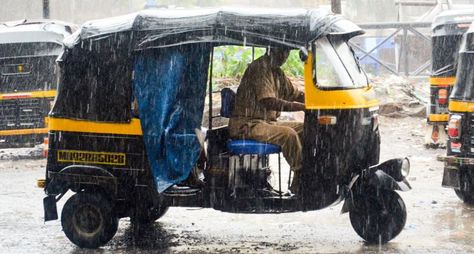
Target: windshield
12, 50
27, 74
336, 66
444, 54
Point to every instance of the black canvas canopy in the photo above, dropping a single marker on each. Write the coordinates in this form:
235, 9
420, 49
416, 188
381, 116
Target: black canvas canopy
464, 87
164, 28
26, 31
97, 65
448, 28
34, 46
447, 21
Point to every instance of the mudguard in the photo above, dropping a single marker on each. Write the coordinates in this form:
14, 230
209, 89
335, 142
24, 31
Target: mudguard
381, 176
75, 177
50, 209
382, 180
86, 170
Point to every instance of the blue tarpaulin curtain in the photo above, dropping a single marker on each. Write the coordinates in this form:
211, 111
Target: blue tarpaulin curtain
170, 87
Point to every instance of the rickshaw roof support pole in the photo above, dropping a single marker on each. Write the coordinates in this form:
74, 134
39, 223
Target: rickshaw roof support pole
336, 6
46, 9
210, 89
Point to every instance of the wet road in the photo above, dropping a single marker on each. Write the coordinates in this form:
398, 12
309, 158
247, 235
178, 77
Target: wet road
437, 221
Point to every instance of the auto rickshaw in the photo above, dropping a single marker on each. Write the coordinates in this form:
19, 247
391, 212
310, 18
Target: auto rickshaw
459, 162
122, 163
447, 30
28, 76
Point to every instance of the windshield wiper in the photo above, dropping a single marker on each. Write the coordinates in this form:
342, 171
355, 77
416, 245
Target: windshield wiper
357, 60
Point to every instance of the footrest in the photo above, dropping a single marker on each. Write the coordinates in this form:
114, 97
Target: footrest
181, 191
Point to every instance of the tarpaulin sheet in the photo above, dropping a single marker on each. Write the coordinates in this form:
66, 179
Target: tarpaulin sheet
170, 87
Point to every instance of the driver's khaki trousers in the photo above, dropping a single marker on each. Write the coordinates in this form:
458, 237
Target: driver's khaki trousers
287, 135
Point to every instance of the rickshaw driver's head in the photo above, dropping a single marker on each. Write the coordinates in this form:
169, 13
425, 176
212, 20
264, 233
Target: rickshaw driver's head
278, 56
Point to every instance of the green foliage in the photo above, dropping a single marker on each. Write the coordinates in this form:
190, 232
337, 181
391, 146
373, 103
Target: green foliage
293, 66
231, 61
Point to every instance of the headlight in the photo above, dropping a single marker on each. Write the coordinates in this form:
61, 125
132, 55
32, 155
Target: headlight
405, 167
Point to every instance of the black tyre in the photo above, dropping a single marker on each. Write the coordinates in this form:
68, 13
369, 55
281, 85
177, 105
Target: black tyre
466, 192
88, 220
152, 215
379, 219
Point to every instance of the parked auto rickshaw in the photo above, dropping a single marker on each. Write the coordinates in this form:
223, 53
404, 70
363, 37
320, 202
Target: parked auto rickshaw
459, 162
123, 163
447, 30
28, 77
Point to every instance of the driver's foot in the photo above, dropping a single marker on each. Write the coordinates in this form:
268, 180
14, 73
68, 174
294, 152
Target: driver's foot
289, 193
181, 189
267, 193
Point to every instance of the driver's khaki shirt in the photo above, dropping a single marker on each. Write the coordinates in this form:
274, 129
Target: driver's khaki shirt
259, 81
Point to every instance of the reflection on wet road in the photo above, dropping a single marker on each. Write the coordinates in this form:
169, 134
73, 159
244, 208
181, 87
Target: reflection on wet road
437, 221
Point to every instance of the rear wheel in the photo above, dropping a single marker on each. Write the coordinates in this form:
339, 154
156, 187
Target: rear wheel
466, 193
88, 220
378, 218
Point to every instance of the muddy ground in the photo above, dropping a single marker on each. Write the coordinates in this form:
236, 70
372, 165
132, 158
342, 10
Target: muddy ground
437, 221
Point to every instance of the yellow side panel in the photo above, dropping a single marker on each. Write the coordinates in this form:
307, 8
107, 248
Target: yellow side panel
23, 132
35, 94
438, 117
69, 125
461, 106
335, 99
442, 81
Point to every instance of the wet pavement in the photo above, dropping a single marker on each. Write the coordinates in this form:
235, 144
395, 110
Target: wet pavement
438, 222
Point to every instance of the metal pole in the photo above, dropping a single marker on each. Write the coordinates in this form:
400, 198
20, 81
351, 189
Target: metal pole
405, 51
336, 6
46, 9
210, 89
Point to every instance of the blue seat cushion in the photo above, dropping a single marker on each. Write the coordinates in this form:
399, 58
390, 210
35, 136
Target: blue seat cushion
251, 147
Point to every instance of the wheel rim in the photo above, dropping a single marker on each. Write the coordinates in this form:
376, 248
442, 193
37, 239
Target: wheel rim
88, 220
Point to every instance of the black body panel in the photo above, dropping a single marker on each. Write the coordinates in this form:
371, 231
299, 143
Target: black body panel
333, 153
133, 173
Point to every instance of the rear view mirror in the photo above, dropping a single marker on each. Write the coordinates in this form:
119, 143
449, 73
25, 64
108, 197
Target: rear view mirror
303, 54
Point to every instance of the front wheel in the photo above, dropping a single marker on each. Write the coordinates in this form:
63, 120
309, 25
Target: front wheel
88, 220
379, 218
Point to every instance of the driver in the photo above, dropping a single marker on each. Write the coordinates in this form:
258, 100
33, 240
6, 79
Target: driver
263, 93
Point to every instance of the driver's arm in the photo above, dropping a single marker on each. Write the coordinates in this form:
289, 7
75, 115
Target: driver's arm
267, 96
291, 91
300, 97
281, 105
